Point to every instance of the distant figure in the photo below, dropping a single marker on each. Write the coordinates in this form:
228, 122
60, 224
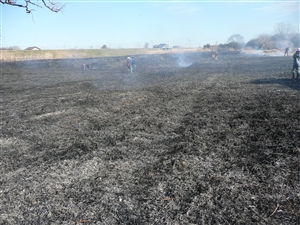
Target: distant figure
85, 66
286, 51
128, 62
215, 55
133, 64
296, 65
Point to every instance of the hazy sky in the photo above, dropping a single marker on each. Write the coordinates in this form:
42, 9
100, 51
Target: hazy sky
130, 24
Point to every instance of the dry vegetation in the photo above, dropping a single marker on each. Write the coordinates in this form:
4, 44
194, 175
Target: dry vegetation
23, 55
185, 140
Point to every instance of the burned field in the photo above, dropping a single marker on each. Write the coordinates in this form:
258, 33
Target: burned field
184, 140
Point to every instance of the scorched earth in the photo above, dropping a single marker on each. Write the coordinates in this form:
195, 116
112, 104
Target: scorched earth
184, 140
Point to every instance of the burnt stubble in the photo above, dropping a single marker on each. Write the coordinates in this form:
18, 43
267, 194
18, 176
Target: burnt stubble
184, 140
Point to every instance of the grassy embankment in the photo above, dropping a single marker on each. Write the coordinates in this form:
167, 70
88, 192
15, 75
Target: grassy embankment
19, 55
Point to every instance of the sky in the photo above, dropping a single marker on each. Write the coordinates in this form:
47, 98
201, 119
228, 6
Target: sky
131, 24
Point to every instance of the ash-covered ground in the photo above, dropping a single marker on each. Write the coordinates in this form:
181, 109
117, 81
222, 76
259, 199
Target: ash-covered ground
184, 140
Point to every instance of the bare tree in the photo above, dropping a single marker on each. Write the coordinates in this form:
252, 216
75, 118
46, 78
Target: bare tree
146, 45
11, 48
50, 4
265, 41
295, 39
236, 41
282, 30
236, 38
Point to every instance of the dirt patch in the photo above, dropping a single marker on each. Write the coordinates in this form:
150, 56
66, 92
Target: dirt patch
184, 140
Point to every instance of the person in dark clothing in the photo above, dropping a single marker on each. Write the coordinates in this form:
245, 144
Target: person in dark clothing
296, 65
133, 64
286, 51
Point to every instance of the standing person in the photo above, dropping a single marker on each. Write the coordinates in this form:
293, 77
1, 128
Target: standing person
128, 62
286, 51
215, 55
133, 64
296, 65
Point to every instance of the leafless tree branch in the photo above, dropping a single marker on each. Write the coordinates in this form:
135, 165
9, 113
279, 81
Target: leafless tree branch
53, 6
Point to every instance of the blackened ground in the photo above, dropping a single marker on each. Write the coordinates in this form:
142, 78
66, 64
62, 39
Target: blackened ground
184, 140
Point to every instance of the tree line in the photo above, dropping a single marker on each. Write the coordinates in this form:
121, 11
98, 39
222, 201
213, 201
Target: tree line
284, 36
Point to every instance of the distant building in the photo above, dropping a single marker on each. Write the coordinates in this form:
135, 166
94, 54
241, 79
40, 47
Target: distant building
33, 48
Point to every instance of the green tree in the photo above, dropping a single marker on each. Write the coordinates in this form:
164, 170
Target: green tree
206, 46
254, 43
223, 46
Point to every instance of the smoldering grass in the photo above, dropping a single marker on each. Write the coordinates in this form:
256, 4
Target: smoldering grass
175, 147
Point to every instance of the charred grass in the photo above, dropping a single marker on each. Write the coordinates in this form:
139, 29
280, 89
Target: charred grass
185, 140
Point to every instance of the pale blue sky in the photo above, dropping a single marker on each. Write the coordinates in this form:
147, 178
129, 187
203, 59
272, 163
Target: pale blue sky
130, 24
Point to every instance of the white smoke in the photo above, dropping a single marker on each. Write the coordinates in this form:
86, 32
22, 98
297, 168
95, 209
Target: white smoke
182, 62
284, 44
